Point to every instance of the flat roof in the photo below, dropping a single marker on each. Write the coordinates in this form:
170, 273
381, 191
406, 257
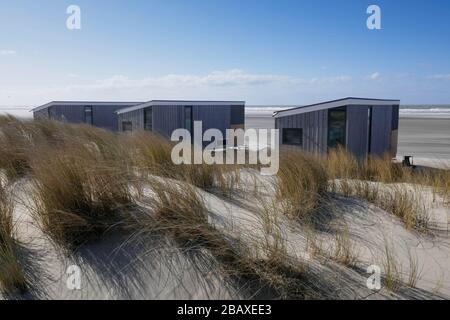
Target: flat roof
180, 103
76, 103
334, 104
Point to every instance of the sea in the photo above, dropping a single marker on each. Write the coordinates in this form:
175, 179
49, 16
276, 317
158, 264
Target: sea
406, 111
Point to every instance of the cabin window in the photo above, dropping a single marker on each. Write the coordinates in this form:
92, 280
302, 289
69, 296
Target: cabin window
148, 119
127, 126
188, 118
293, 136
88, 115
337, 122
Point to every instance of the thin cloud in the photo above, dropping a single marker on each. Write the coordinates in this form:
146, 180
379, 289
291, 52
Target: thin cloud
375, 76
228, 84
439, 77
5, 52
228, 78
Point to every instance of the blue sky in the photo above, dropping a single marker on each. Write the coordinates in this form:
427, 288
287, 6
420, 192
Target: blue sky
264, 52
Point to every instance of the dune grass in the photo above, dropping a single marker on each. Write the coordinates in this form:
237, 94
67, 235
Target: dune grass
301, 184
14, 143
415, 270
407, 204
341, 164
441, 185
12, 277
148, 154
381, 181
82, 180
78, 193
392, 269
262, 266
344, 249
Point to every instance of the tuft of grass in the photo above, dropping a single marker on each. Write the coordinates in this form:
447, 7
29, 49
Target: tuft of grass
415, 271
178, 211
301, 184
149, 153
344, 250
441, 185
12, 277
220, 179
262, 267
78, 194
367, 191
273, 245
341, 164
14, 145
392, 268
405, 204
383, 169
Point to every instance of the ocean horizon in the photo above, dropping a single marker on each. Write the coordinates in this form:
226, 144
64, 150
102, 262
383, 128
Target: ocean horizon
406, 111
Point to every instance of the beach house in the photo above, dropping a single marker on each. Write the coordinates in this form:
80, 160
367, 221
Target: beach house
159, 116
362, 126
164, 116
99, 114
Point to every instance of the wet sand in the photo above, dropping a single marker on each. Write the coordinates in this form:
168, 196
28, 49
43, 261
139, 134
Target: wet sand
424, 138
420, 137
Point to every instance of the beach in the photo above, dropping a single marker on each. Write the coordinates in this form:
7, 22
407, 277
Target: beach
424, 138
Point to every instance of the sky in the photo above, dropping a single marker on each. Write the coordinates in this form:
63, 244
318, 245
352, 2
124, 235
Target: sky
260, 51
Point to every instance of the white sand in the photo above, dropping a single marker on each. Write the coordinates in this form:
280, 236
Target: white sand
121, 268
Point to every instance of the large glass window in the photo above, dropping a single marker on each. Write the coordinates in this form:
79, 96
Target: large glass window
148, 119
88, 115
293, 136
337, 121
188, 118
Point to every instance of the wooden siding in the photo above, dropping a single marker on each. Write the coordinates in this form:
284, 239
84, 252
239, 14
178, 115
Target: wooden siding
136, 118
381, 130
394, 133
213, 117
315, 129
103, 116
314, 125
166, 119
41, 114
357, 130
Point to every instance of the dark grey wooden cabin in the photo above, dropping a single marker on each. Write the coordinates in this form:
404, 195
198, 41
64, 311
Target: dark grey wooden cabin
363, 126
99, 114
164, 116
